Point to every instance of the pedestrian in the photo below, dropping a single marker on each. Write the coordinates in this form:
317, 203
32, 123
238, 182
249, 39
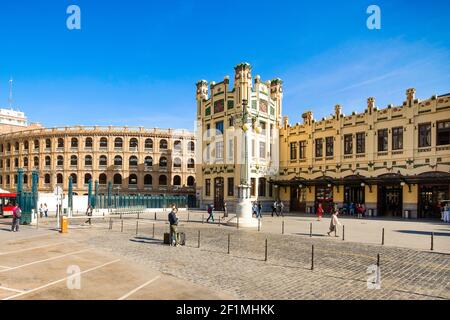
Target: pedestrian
17, 215
359, 210
210, 213
225, 211
41, 211
334, 223
45, 210
274, 208
280, 208
319, 212
173, 221
259, 209
352, 209
254, 209
89, 214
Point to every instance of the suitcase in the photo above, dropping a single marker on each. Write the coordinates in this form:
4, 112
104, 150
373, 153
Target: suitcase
182, 238
166, 238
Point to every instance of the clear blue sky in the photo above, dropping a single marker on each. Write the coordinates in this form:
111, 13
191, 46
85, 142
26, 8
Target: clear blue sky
136, 62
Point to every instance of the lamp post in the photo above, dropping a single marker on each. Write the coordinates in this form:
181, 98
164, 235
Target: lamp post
244, 205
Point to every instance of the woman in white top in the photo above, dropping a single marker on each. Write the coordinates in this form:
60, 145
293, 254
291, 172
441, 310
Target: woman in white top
334, 222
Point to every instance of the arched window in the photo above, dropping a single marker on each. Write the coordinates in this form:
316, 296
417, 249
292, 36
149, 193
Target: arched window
60, 161
163, 162
102, 178
133, 161
163, 144
25, 179
59, 178
177, 145
48, 161
117, 179
36, 145
191, 163
15, 179
176, 181
103, 142
48, 144
35, 161
8, 163
88, 143
8, 179
118, 143
60, 143
103, 161
262, 187
74, 178
47, 179
162, 180
25, 145
148, 179
191, 146
25, 162
133, 143
16, 146
132, 179
148, 161
88, 160
117, 160
16, 162
87, 177
8, 147
190, 181
177, 163
148, 143
73, 160
74, 143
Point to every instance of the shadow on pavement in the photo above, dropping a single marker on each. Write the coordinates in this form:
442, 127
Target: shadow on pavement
426, 233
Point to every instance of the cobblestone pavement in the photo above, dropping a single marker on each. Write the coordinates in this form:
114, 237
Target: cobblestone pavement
340, 268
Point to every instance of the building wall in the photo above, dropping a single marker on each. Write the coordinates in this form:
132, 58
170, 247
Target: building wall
43, 145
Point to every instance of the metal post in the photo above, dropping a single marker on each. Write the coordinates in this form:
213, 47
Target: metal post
203, 217
121, 228
343, 233
237, 225
137, 227
229, 235
189, 214
153, 233
259, 224
155, 215
432, 241
382, 238
265, 258
198, 238
312, 257
139, 214
310, 229
282, 227
378, 260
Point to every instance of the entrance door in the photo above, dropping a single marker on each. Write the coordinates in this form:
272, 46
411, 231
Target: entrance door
298, 203
390, 200
218, 193
353, 194
430, 199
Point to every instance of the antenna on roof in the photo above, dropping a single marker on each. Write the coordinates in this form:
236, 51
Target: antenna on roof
10, 92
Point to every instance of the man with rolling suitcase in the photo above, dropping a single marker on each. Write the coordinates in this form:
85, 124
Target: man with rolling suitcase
173, 221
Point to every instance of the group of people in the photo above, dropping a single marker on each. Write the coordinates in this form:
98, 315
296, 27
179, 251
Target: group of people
43, 210
277, 208
353, 209
257, 209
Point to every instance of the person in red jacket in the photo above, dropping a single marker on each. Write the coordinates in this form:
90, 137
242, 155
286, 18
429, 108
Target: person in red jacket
319, 212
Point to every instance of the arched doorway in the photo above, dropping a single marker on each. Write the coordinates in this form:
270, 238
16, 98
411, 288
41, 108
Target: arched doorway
218, 193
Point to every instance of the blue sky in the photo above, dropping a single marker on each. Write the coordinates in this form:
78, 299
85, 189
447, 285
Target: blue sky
136, 62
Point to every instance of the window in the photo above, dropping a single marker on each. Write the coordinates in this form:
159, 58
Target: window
177, 163
208, 130
35, 160
59, 178
36, 145
148, 144
74, 178
47, 179
148, 180
88, 143
397, 138
74, 143
25, 162
148, 161
263, 128
219, 128
253, 187
190, 181
16, 162
47, 161
88, 161
60, 161
87, 178
25, 145
118, 143
132, 179
207, 187
176, 181
133, 143
302, 150
191, 146
443, 132
103, 161
102, 178
162, 180
329, 146
424, 135
117, 179
117, 160
360, 142
191, 163
103, 142
348, 144
319, 148
48, 144
262, 187
219, 150
177, 145
382, 140
163, 162
60, 143
163, 144
73, 160
230, 187
262, 150
133, 161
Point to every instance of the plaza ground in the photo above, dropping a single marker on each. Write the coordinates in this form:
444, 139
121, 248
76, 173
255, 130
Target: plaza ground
123, 263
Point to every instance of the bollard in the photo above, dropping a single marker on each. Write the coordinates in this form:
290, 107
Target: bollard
120, 215
137, 227
229, 235
312, 257
378, 260
343, 233
203, 218
259, 224
155, 215
310, 229
138, 214
121, 228
282, 227
432, 241
198, 245
382, 237
189, 216
153, 234
265, 258
237, 224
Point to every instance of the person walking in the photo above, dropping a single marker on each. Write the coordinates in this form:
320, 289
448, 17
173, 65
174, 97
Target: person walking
41, 211
319, 212
173, 221
258, 210
45, 210
280, 208
359, 210
352, 209
210, 213
334, 223
17, 215
89, 214
274, 208
225, 211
